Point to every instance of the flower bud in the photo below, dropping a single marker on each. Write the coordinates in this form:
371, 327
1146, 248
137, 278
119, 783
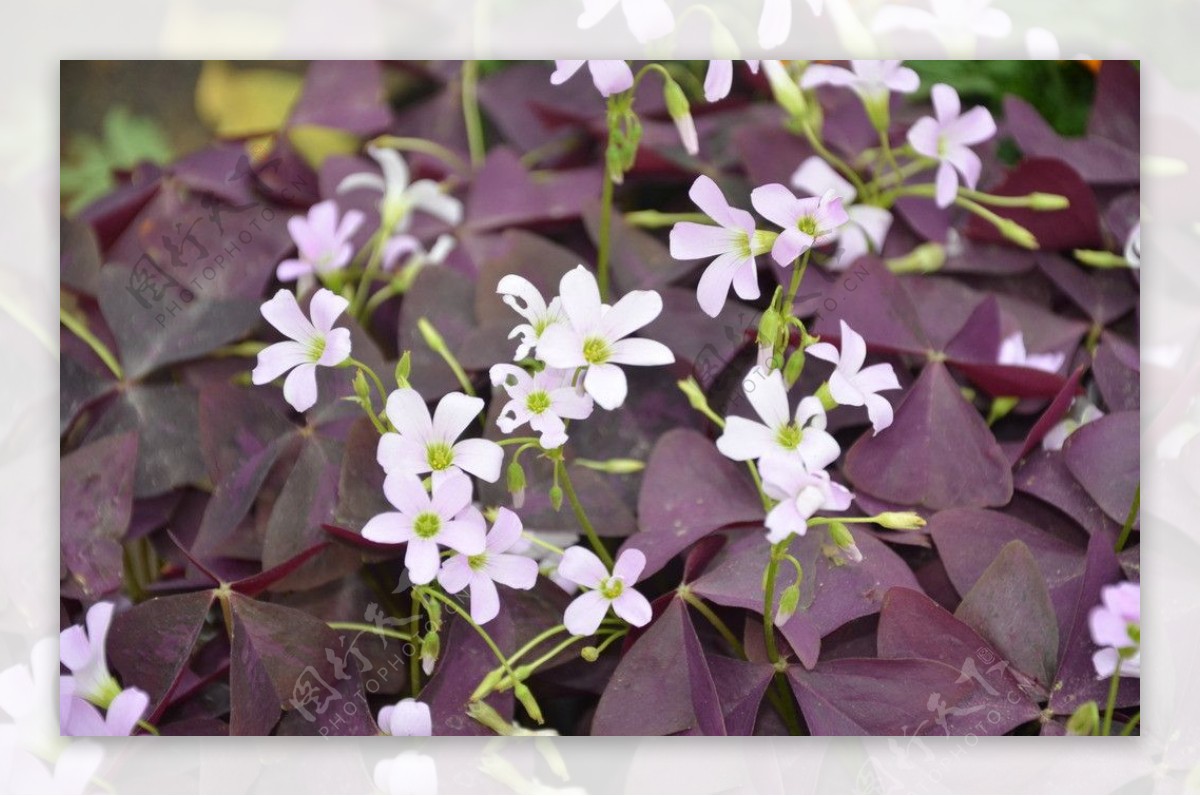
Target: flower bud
516, 483
431, 647
923, 259
487, 685
1048, 201
841, 536
900, 520
769, 327
1085, 720
794, 366
432, 337
525, 697
681, 114
590, 654
1017, 233
362, 390
785, 90
613, 466
486, 715
403, 369
789, 601
828, 402
694, 394
556, 497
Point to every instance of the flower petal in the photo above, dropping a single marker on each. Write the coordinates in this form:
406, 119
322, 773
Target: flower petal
854, 350
967, 163
923, 136
947, 185
582, 566
485, 601
454, 413
401, 454
428, 196
718, 80
607, 385
409, 717
776, 204
632, 606
337, 348
946, 104
565, 70
879, 409
405, 491
827, 75
561, 346
391, 527
451, 494
768, 395
707, 195
713, 289
505, 533
465, 536
815, 177
481, 458
692, 241
284, 313
300, 387
611, 77
125, 710
744, 439
277, 359
585, 613
580, 299
516, 572
456, 574
407, 411
640, 351
629, 566
818, 449
422, 560
515, 289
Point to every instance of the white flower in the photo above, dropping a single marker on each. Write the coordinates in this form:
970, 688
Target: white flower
423, 521
423, 444
1086, 412
79, 717
948, 137
800, 493
400, 198
803, 437
542, 400
311, 343
514, 290
609, 77
406, 718
1012, 352
323, 244
596, 337
870, 80
868, 225
647, 19
851, 384
587, 611
718, 80
496, 564
408, 246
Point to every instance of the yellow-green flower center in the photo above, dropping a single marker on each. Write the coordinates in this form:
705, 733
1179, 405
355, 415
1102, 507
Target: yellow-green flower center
477, 562
808, 225
596, 350
426, 525
789, 436
537, 402
611, 588
316, 347
439, 455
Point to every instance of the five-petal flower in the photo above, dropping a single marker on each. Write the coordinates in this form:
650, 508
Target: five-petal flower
80, 718
734, 243
424, 521
948, 139
851, 384
408, 717
867, 226
807, 223
596, 337
610, 77
424, 444
311, 343
543, 400
1116, 626
400, 198
513, 291
800, 493
83, 653
587, 611
322, 242
494, 565
802, 437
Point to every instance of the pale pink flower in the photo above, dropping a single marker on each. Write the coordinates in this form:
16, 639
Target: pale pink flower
807, 223
595, 337
734, 243
494, 565
408, 717
407, 246
610, 77
800, 493
424, 521
851, 384
322, 242
587, 611
539, 315
948, 138
718, 80
429, 444
543, 400
311, 343
80, 718
83, 653
801, 437
868, 225
1116, 626
1012, 352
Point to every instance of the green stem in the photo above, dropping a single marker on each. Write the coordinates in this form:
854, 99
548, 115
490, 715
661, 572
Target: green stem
352, 362
620, 634
543, 544
652, 219
372, 268
769, 603
414, 661
1132, 724
374, 629
732, 640
530, 668
794, 286
533, 642
1106, 728
766, 501
1129, 518
470, 101
815, 141
581, 515
437, 344
517, 441
604, 245
483, 634
148, 727
80, 330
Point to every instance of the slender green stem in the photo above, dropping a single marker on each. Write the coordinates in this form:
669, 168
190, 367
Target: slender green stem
581, 515
718, 624
620, 634
437, 343
1027, 200
901, 174
653, 219
372, 268
543, 543
797, 278
1106, 727
414, 661
536, 640
374, 629
470, 102
753, 468
1129, 519
604, 245
148, 727
379, 297
529, 668
80, 330
1132, 724
815, 141
406, 144
517, 441
769, 603
483, 634
352, 362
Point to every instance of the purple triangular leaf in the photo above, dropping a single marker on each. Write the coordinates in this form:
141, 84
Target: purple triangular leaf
96, 500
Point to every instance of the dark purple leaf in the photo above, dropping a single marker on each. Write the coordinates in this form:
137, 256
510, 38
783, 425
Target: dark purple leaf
1055, 412
1118, 371
1098, 160
1010, 606
663, 685
741, 686
1076, 227
1103, 456
1105, 295
80, 258
96, 497
343, 95
871, 299
938, 453
639, 260
505, 194
445, 299
464, 661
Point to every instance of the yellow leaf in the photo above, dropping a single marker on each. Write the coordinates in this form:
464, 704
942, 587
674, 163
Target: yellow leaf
241, 103
315, 143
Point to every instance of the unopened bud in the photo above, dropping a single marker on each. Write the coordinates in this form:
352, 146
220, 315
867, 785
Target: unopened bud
516, 483
362, 390
590, 654
823, 394
432, 337
794, 366
1085, 720
900, 520
1048, 201
785, 90
841, 536
681, 113
694, 394
769, 327
431, 647
1017, 233
487, 685
486, 715
924, 259
789, 601
613, 466
403, 369
525, 697
556, 497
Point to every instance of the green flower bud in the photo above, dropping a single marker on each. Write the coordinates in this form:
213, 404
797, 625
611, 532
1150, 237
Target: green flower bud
614, 466
525, 697
900, 520
794, 366
924, 259
1085, 720
486, 715
694, 394
828, 402
1048, 201
516, 483
841, 536
769, 327
590, 654
431, 647
785, 90
487, 685
403, 369
362, 390
789, 601
1017, 233
556, 497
